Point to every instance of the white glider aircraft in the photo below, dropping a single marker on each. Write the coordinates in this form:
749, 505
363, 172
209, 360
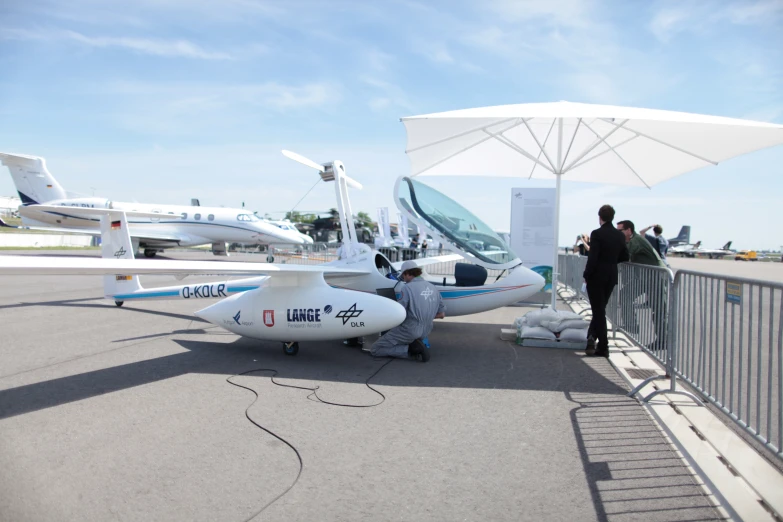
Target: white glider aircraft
46, 205
292, 303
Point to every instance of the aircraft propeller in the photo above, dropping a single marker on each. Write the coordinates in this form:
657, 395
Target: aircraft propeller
323, 169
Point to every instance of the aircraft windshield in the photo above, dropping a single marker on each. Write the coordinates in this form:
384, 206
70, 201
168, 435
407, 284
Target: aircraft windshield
454, 221
248, 217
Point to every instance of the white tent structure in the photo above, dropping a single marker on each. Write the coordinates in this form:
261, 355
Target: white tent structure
579, 142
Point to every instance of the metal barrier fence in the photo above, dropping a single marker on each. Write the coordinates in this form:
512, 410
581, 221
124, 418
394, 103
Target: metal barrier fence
723, 336
570, 268
639, 307
729, 338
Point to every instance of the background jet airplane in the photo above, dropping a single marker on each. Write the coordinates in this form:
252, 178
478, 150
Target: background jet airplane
46, 205
683, 238
686, 250
717, 253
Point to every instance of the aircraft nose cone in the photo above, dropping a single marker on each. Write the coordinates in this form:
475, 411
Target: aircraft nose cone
395, 316
539, 281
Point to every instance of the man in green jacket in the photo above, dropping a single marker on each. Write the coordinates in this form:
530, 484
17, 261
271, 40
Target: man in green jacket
643, 253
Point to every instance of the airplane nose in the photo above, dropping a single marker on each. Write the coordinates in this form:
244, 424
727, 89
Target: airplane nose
539, 280
395, 314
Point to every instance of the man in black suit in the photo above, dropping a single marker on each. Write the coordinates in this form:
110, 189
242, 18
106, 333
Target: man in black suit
607, 249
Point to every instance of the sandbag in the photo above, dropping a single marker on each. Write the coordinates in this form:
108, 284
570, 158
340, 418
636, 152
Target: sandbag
563, 324
536, 332
574, 334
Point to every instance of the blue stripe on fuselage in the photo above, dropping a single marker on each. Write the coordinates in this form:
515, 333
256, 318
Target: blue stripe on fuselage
174, 293
240, 288
169, 293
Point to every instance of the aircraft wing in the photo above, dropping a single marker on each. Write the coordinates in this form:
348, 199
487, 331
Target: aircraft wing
424, 261
147, 236
44, 265
59, 230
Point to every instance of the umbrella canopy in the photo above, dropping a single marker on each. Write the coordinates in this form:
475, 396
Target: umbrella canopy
579, 142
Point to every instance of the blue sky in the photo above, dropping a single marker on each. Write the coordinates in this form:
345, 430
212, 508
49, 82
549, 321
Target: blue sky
162, 100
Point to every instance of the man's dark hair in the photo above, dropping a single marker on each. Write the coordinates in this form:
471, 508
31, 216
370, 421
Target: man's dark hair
415, 272
627, 224
658, 229
606, 213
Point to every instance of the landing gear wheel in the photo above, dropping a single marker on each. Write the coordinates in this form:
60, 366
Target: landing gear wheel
149, 252
270, 259
119, 303
291, 348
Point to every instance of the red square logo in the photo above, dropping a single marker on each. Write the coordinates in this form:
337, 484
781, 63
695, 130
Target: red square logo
269, 318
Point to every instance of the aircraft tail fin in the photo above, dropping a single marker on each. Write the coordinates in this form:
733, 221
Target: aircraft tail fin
697, 245
116, 243
684, 237
33, 181
727, 246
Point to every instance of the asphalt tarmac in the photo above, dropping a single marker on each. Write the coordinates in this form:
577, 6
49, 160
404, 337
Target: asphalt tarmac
126, 413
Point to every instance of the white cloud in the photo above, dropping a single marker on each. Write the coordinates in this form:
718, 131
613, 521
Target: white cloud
390, 94
377, 60
151, 46
569, 13
157, 47
184, 109
754, 13
667, 22
705, 15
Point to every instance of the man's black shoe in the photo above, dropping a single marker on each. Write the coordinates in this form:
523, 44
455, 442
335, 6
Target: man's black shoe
590, 350
603, 353
417, 350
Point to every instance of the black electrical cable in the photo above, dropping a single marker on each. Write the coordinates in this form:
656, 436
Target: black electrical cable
281, 439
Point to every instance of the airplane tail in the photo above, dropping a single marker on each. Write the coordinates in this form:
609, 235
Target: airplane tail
684, 237
727, 246
33, 181
697, 245
116, 243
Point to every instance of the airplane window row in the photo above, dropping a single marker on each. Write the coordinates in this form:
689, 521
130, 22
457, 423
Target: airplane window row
197, 217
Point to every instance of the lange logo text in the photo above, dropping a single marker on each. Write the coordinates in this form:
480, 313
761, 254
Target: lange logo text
303, 317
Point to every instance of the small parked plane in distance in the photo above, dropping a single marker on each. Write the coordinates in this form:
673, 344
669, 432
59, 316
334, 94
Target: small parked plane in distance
717, 253
45, 205
686, 250
683, 238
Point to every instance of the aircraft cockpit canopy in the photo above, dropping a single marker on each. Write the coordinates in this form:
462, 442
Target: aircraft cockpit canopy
455, 222
248, 217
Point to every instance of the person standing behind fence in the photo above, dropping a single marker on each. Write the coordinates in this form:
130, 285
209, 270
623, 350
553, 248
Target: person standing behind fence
659, 243
642, 253
607, 249
582, 246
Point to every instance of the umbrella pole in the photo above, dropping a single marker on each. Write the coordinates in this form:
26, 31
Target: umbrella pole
558, 175
557, 234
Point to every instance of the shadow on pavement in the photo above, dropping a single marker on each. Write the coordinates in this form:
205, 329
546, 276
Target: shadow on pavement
630, 468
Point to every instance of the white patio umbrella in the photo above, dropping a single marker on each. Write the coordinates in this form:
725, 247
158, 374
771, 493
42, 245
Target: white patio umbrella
579, 142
